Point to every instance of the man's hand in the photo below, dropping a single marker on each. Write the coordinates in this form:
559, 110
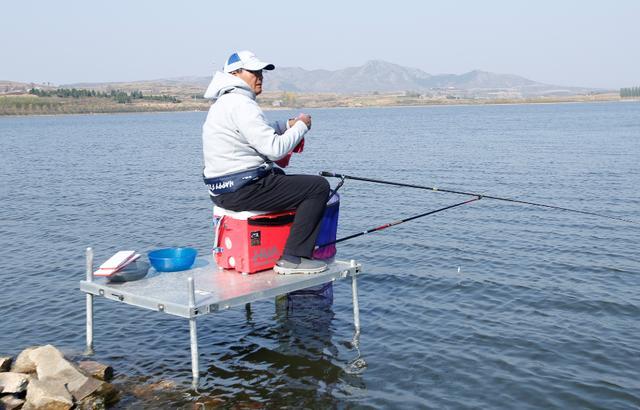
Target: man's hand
306, 118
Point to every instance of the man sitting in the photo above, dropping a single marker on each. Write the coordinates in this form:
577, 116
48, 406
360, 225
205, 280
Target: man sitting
240, 147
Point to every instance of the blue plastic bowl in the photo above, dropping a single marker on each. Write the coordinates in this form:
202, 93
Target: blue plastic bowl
172, 259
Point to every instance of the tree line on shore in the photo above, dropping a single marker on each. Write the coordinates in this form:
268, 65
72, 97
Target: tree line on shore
630, 92
119, 96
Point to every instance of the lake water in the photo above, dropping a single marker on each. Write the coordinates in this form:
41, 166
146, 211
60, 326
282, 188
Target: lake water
489, 305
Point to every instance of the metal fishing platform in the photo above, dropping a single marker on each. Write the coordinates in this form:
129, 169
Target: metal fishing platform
205, 289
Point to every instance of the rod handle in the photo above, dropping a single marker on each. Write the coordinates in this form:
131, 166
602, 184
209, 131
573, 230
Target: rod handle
329, 174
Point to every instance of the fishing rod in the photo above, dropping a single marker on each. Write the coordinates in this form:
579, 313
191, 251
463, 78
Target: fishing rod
398, 222
379, 181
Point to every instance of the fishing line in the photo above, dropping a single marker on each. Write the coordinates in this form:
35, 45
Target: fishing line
398, 222
518, 201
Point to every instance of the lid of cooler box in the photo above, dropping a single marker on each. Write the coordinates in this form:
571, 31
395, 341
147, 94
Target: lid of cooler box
242, 215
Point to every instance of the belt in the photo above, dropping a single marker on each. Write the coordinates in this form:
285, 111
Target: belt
232, 182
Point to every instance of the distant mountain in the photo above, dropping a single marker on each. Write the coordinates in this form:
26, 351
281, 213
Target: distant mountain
14, 87
373, 76
382, 76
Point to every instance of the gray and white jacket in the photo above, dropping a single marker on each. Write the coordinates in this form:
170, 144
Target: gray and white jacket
236, 135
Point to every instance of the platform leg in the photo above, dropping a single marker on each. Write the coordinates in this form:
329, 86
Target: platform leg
89, 303
195, 364
193, 332
356, 308
247, 311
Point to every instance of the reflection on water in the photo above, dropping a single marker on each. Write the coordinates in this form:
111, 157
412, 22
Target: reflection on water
273, 366
490, 305
296, 351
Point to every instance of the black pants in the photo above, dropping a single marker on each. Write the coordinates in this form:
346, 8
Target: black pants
308, 194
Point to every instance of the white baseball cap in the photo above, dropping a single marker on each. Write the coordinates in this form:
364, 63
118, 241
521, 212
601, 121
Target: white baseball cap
247, 60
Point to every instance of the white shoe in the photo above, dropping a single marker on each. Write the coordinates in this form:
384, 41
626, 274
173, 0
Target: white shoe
284, 267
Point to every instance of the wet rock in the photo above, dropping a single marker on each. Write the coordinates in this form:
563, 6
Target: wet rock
11, 402
48, 394
96, 369
109, 392
149, 391
92, 403
23, 363
11, 382
106, 395
206, 403
51, 382
87, 388
5, 363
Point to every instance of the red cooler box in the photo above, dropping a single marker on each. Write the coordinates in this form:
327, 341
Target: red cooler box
250, 241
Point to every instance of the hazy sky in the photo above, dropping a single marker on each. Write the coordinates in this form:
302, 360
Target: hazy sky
565, 42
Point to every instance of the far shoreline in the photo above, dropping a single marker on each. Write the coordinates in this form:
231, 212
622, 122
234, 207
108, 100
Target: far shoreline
357, 102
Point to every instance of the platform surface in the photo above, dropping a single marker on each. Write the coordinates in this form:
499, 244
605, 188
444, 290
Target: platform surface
215, 289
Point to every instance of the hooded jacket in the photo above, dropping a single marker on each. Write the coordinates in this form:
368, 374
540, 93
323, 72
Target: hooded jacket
236, 135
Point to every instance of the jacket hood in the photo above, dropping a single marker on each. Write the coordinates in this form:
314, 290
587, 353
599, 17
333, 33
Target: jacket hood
222, 83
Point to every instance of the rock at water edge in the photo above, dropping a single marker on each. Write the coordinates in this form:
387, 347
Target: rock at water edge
51, 364
5, 363
23, 363
11, 382
10, 402
105, 396
48, 394
96, 369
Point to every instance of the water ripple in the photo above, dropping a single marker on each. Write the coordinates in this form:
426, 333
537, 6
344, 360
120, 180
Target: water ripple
489, 305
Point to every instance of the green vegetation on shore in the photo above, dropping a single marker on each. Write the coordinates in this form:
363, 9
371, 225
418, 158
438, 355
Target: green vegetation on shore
121, 97
84, 101
632, 92
41, 101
